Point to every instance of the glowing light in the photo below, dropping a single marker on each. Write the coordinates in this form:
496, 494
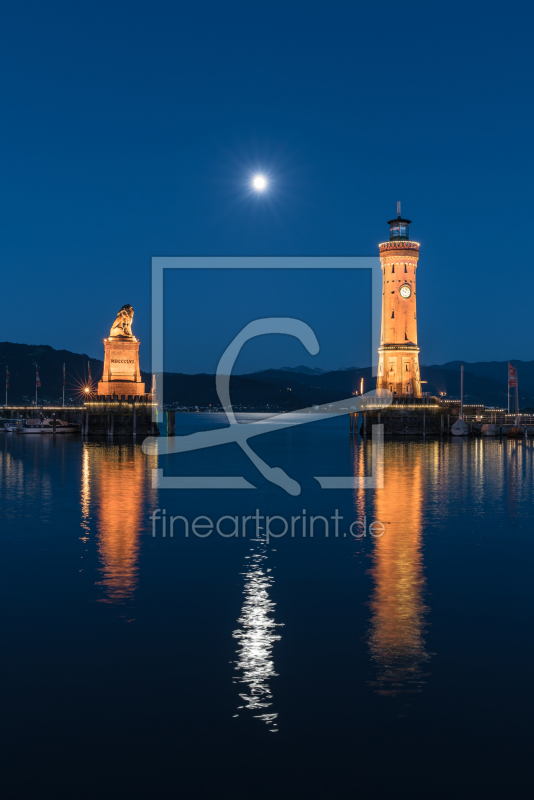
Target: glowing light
398, 611
259, 183
84, 388
256, 637
119, 485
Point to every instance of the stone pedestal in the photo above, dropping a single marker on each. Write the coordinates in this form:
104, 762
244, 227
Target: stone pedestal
121, 377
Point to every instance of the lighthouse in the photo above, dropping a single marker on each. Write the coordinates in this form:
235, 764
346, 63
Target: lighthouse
398, 354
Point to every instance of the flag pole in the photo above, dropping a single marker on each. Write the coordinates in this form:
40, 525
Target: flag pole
37, 380
508, 387
462, 392
63, 384
516, 398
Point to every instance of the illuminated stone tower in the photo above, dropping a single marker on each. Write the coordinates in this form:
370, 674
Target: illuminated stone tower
398, 362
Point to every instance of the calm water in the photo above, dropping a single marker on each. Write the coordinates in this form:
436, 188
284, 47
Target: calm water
138, 665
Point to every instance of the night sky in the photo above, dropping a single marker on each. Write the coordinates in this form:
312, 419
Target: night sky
132, 129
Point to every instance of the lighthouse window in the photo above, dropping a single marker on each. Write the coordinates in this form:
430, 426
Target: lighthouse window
405, 336
405, 268
393, 268
392, 315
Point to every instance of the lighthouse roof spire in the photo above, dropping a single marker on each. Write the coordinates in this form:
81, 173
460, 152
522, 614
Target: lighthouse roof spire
399, 227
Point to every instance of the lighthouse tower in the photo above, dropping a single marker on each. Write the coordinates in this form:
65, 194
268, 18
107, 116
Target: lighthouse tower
398, 354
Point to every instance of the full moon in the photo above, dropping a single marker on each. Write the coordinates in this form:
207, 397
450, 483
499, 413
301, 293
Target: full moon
259, 182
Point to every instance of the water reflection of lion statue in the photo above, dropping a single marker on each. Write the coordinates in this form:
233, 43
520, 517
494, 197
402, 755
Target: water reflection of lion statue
123, 324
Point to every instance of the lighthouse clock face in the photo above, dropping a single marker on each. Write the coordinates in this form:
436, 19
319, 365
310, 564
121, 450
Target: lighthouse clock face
405, 291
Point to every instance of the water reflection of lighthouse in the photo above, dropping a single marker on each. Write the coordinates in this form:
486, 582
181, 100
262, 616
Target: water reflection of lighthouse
396, 637
116, 483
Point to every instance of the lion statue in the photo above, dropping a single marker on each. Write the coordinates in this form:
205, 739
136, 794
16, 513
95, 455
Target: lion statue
123, 324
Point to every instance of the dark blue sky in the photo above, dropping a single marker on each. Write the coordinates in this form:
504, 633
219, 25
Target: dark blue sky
202, 317
131, 129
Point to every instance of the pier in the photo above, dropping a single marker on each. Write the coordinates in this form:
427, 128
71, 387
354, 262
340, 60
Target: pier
70, 413
100, 417
432, 417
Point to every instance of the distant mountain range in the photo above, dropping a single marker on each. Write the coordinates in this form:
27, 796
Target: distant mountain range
478, 387
303, 369
285, 388
309, 370
20, 359
495, 370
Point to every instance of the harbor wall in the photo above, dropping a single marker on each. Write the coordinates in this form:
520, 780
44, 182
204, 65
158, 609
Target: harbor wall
123, 420
120, 419
403, 421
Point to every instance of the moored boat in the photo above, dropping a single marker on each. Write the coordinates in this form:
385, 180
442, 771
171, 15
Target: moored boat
7, 424
489, 429
45, 425
459, 428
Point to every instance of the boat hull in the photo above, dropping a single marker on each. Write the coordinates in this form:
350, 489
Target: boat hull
47, 430
459, 428
44, 426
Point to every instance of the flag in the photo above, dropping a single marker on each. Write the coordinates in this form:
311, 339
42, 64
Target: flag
7, 379
37, 379
512, 376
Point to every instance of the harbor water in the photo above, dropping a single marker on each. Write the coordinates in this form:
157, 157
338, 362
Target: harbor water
368, 639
